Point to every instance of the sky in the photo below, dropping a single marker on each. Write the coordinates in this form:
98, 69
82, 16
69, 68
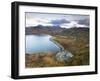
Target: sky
51, 19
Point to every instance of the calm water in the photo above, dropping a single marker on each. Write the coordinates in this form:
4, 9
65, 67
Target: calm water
40, 43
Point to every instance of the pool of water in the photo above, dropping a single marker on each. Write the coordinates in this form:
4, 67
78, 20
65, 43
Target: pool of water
40, 43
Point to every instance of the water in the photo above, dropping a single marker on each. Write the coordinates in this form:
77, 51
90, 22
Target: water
40, 43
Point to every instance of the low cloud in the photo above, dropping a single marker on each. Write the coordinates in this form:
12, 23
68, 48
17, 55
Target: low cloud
59, 22
84, 22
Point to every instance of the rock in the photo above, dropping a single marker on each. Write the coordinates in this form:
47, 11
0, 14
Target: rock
63, 56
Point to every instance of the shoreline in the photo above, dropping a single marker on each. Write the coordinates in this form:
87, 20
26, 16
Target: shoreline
59, 45
62, 55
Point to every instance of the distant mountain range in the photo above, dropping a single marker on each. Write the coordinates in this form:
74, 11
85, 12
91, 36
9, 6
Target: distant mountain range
53, 30
43, 29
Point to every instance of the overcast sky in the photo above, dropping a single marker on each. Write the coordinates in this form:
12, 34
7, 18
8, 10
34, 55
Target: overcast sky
62, 20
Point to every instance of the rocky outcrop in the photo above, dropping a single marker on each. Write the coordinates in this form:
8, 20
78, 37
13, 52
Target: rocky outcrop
63, 56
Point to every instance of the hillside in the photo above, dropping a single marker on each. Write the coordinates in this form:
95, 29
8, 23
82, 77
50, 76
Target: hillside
53, 30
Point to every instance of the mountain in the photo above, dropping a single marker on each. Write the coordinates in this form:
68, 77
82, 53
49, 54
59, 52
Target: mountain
53, 30
43, 29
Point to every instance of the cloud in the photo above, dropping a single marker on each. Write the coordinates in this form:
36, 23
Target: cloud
72, 24
58, 22
84, 22
64, 21
69, 25
45, 22
37, 21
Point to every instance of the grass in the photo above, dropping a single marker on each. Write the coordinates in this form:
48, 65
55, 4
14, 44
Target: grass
42, 60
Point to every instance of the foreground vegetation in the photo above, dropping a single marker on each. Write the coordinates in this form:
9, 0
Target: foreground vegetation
43, 60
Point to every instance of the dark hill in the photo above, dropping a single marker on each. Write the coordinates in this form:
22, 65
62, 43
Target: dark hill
52, 30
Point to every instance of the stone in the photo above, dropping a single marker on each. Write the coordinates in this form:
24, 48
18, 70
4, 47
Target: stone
63, 56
